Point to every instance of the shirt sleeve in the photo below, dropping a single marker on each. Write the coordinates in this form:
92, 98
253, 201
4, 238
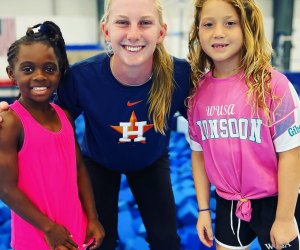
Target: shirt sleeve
192, 130
285, 129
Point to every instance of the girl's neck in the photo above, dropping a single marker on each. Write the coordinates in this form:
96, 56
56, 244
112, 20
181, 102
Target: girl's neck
43, 113
225, 72
130, 75
35, 106
227, 68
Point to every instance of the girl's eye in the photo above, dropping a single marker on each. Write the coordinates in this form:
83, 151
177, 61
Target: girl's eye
207, 25
145, 23
122, 22
50, 69
27, 69
230, 23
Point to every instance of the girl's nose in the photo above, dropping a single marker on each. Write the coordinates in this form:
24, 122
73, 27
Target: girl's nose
133, 33
39, 76
219, 32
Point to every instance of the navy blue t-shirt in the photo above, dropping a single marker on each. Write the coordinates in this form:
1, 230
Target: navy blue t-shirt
118, 133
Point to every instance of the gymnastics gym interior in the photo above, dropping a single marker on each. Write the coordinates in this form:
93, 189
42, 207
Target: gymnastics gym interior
79, 22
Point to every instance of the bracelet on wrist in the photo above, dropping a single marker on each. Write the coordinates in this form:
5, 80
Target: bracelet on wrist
202, 210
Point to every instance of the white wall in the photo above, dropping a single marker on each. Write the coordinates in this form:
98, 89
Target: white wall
77, 30
76, 18
48, 7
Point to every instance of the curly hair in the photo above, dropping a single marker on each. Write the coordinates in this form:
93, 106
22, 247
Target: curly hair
255, 54
48, 33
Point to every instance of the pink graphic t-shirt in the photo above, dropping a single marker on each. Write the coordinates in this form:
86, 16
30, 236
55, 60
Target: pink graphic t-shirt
48, 177
239, 145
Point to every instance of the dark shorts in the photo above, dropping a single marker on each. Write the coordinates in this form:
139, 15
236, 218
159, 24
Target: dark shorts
233, 233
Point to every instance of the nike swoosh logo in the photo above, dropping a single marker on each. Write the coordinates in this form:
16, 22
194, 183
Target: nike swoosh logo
130, 104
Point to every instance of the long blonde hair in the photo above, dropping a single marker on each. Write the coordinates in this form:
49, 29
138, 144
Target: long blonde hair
255, 55
160, 95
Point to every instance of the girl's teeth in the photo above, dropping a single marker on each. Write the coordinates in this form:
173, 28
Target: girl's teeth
39, 88
133, 49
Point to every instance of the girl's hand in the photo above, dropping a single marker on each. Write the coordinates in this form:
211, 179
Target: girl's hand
204, 228
61, 248
282, 233
3, 106
94, 230
58, 237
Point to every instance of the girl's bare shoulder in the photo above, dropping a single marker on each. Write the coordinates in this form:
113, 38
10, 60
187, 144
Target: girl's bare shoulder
10, 123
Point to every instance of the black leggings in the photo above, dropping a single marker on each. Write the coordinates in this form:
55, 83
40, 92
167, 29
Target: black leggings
151, 188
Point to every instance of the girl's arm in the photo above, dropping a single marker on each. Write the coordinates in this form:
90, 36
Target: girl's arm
284, 229
95, 229
202, 187
10, 135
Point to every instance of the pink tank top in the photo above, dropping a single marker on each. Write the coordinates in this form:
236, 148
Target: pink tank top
48, 176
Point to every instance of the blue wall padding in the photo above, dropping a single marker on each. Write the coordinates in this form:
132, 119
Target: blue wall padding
4, 226
137, 242
294, 78
4, 213
188, 212
126, 230
125, 195
138, 226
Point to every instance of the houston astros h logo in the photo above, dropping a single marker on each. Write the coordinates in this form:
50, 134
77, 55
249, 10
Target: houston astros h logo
133, 130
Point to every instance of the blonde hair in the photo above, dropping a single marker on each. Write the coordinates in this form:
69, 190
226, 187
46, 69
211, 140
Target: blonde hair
255, 55
160, 95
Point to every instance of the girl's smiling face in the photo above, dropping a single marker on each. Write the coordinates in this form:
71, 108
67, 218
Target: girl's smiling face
220, 34
36, 72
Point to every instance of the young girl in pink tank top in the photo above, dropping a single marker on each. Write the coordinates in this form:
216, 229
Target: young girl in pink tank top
42, 175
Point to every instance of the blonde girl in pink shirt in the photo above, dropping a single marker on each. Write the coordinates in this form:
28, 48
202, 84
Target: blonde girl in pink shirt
244, 124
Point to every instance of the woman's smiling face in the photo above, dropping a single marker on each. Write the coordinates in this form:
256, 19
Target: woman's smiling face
134, 29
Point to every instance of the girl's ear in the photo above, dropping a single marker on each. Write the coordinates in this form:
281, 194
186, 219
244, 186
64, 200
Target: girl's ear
105, 32
162, 33
10, 73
